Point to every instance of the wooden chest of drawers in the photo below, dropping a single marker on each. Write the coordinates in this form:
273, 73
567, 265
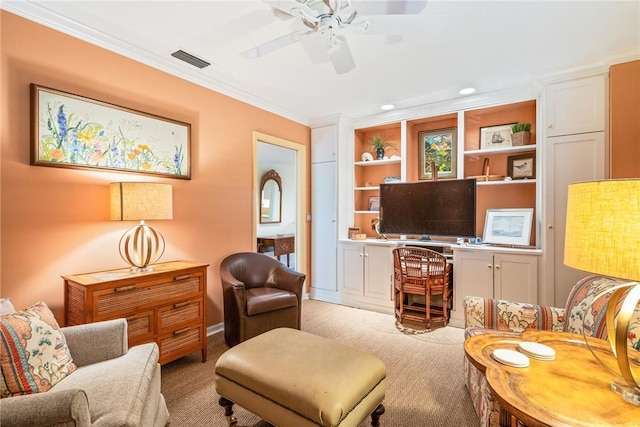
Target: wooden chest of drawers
166, 305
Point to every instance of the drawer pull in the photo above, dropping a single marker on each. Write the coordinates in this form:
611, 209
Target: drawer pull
181, 304
125, 288
181, 331
132, 318
184, 276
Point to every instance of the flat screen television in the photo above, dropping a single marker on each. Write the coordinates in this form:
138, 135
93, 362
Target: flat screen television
429, 208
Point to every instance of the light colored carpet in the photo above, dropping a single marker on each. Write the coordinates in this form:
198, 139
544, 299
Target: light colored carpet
424, 372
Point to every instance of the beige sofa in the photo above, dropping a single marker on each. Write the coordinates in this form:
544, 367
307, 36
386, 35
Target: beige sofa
113, 385
484, 315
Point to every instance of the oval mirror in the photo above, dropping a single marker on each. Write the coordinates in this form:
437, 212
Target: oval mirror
270, 198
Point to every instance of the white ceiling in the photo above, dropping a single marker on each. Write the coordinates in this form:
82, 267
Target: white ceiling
425, 58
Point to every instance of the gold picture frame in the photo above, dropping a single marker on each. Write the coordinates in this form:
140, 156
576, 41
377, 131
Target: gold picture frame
439, 146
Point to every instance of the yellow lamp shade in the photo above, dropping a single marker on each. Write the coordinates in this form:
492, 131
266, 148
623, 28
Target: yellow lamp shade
141, 201
603, 228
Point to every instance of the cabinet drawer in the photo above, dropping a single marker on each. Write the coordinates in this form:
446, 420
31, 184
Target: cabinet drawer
180, 313
140, 327
128, 297
181, 342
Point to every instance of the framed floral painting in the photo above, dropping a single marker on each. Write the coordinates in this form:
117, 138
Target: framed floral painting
72, 131
438, 148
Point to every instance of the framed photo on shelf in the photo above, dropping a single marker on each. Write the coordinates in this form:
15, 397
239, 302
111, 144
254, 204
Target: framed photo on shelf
353, 231
508, 226
495, 137
374, 203
438, 147
522, 166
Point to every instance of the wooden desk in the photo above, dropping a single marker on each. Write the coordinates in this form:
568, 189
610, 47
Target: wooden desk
573, 389
279, 244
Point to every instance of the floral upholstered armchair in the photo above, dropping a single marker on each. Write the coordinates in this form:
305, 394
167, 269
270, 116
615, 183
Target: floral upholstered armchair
484, 315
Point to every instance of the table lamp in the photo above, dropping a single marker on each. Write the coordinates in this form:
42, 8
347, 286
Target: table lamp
142, 245
603, 237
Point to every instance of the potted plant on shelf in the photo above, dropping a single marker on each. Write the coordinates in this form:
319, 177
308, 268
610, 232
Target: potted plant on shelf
378, 146
521, 134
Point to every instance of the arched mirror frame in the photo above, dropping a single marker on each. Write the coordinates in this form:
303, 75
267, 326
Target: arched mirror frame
271, 175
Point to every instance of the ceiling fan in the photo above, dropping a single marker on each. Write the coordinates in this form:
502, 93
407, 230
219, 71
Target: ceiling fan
327, 18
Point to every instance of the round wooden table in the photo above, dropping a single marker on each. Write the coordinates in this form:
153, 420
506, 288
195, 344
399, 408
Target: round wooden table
571, 390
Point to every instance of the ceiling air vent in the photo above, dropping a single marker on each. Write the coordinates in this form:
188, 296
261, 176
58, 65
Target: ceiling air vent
190, 59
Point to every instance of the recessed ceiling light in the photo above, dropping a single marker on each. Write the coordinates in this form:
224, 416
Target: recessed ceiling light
467, 91
386, 107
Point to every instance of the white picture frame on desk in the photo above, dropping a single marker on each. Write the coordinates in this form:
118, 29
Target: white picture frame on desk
508, 226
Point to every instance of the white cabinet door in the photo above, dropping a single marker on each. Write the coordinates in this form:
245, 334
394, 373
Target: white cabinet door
472, 276
378, 272
488, 274
324, 144
516, 277
576, 106
324, 233
568, 159
351, 268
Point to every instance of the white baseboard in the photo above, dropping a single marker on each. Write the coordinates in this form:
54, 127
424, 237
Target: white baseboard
214, 329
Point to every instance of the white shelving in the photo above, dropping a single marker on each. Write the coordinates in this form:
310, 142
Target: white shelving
509, 150
503, 182
378, 162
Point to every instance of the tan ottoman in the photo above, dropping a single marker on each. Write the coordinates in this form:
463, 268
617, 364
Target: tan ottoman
292, 378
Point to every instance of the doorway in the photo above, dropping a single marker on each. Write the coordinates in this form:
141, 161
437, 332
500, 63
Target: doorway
287, 158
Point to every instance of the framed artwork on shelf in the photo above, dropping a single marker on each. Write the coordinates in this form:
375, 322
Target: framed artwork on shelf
72, 131
522, 166
438, 148
495, 137
374, 203
508, 226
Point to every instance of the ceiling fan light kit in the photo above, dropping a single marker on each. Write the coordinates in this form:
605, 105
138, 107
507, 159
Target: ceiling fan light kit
327, 18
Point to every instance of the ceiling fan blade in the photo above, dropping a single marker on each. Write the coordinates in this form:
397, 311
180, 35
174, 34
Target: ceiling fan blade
389, 7
341, 57
275, 44
286, 6
294, 8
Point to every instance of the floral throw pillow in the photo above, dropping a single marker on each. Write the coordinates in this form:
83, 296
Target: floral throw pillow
33, 355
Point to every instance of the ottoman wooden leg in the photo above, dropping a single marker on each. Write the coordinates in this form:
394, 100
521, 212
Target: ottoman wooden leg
228, 410
375, 416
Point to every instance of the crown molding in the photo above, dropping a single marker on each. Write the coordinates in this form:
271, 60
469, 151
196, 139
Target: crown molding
170, 65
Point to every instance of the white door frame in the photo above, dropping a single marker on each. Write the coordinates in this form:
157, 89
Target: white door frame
301, 197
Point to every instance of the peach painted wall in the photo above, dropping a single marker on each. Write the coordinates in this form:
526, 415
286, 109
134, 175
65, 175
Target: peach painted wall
55, 221
624, 110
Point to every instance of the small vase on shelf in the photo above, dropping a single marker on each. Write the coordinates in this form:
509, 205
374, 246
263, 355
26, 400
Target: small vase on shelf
379, 146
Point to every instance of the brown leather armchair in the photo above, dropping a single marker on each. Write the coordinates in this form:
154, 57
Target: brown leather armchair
260, 294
